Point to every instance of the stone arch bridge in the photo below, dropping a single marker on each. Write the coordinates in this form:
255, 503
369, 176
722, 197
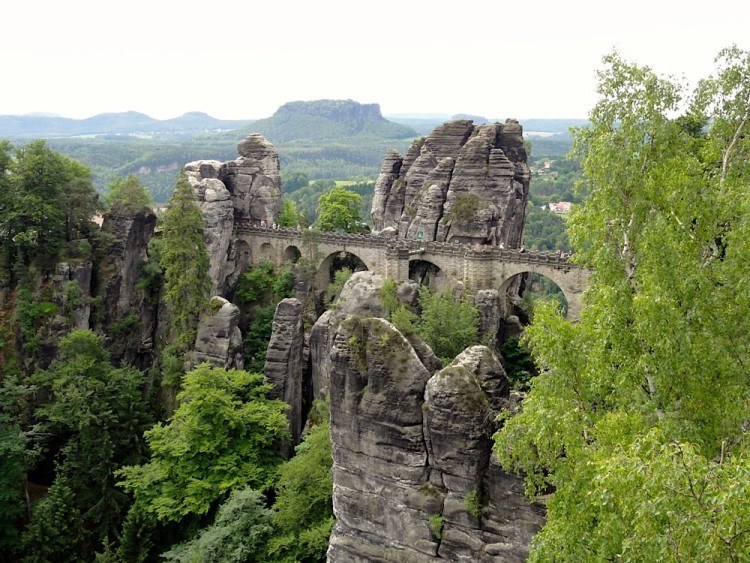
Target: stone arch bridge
476, 267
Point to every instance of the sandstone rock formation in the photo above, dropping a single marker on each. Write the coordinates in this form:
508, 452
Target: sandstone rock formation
247, 188
284, 367
461, 183
129, 316
413, 475
218, 339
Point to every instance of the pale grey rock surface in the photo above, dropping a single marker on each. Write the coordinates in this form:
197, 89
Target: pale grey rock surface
412, 441
461, 183
248, 189
219, 340
284, 368
218, 216
125, 302
489, 306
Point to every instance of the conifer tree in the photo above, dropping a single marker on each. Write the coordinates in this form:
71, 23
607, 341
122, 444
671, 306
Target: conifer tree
185, 262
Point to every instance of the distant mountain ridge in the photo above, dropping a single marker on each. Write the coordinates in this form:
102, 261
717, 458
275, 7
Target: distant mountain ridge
122, 123
328, 120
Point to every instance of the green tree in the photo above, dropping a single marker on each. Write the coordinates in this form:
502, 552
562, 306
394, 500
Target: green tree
47, 202
289, 216
184, 260
339, 209
13, 445
291, 181
99, 414
303, 511
638, 420
127, 195
223, 436
239, 533
447, 324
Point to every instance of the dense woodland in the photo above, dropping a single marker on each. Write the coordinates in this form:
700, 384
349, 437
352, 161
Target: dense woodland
633, 431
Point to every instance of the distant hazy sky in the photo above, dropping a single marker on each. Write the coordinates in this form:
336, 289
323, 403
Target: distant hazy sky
243, 58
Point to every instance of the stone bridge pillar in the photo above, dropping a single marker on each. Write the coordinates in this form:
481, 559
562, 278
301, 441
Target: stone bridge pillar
397, 263
478, 270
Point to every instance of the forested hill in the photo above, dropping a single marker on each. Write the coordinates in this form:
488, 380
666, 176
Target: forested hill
124, 123
328, 120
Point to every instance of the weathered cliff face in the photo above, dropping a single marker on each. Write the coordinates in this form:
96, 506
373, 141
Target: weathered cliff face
247, 188
413, 474
129, 316
218, 338
284, 368
461, 183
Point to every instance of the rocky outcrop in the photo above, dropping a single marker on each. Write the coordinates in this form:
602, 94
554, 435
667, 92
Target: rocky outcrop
218, 339
462, 183
129, 315
379, 453
414, 478
247, 188
72, 283
218, 215
284, 367
489, 306
360, 297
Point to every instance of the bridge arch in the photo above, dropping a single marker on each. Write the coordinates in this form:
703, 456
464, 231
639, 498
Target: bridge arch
425, 272
566, 281
291, 254
336, 261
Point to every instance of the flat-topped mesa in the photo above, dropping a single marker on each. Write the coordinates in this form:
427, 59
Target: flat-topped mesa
462, 183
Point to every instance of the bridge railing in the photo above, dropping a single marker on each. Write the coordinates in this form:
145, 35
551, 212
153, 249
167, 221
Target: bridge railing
478, 252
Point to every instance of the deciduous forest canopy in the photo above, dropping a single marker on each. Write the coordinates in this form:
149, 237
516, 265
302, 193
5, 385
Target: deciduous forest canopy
638, 423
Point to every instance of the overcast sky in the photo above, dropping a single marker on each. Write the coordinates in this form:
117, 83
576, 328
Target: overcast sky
244, 58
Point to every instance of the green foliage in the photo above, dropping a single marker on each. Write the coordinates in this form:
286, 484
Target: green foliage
31, 314
100, 414
339, 280
46, 203
222, 437
56, 531
303, 511
447, 324
257, 336
283, 284
544, 230
518, 364
388, 297
152, 273
261, 288
291, 181
638, 419
289, 216
255, 284
436, 523
339, 209
124, 326
239, 533
328, 120
465, 207
306, 198
184, 260
473, 503
127, 195
405, 321
12, 472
